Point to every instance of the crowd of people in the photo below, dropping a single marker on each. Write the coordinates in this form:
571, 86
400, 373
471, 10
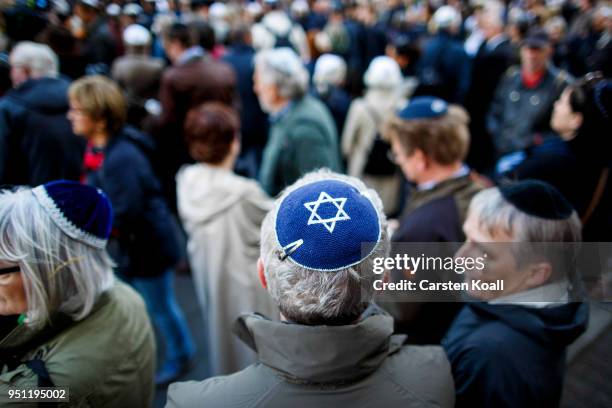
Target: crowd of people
259, 146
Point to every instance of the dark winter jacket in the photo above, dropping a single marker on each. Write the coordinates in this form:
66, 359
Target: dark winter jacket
575, 168
444, 69
512, 356
437, 214
431, 216
143, 233
488, 67
100, 46
36, 140
254, 122
338, 102
533, 106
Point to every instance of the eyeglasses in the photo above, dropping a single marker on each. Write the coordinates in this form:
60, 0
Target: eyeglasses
10, 269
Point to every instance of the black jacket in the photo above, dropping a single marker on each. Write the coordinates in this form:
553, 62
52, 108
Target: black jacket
488, 67
36, 140
144, 239
512, 356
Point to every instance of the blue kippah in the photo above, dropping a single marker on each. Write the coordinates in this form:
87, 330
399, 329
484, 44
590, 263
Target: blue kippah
322, 225
423, 107
538, 199
83, 212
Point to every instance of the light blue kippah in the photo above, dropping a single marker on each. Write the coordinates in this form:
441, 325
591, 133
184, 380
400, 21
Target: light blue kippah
322, 226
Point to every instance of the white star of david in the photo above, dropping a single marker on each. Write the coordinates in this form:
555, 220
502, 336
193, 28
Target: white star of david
329, 223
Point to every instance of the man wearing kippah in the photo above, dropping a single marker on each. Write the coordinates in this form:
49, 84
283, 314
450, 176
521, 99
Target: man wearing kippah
333, 347
507, 349
430, 140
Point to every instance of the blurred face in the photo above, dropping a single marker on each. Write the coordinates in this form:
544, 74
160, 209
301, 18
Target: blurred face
173, 49
564, 120
12, 291
534, 60
413, 166
18, 75
85, 13
82, 123
500, 262
267, 93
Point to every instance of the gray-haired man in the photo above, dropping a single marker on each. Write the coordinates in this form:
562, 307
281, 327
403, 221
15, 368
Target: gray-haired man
333, 346
36, 141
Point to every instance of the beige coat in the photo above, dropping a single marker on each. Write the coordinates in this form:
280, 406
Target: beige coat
222, 214
363, 122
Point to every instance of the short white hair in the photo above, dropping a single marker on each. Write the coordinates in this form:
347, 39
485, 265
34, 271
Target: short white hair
494, 214
446, 18
329, 70
313, 297
383, 73
39, 59
136, 35
493, 11
283, 68
61, 275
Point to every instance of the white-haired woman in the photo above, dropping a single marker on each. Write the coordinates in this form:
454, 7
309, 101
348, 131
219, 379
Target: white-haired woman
328, 78
362, 144
303, 135
64, 320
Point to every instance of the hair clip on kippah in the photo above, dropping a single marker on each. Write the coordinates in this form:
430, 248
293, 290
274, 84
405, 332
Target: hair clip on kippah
289, 249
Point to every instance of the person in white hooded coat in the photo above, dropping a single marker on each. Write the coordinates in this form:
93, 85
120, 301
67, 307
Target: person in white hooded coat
222, 214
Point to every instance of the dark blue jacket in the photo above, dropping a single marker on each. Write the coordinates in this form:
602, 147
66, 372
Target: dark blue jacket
254, 122
36, 140
444, 69
512, 356
338, 102
143, 232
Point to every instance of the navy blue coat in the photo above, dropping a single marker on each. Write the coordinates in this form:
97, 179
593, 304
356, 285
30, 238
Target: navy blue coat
512, 356
145, 238
36, 140
338, 102
444, 69
254, 122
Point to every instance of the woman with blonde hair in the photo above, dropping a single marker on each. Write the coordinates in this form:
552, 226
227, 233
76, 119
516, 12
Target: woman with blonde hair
144, 240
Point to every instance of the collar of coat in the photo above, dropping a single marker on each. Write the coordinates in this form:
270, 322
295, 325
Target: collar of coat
23, 338
321, 354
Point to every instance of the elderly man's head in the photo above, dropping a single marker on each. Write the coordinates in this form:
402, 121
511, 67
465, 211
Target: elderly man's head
491, 19
52, 256
31, 60
279, 78
318, 246
526, 230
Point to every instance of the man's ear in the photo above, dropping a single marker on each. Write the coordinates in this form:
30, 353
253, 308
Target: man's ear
538, 274
262, 275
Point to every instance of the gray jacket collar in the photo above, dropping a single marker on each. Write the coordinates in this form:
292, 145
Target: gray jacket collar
321, 354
